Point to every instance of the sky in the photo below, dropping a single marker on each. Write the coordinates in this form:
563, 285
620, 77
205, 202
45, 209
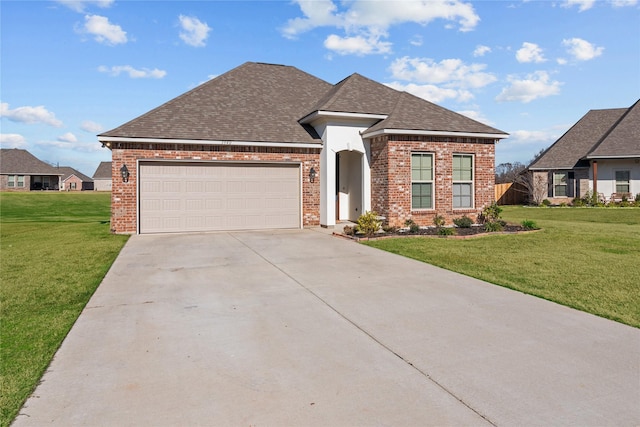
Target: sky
70, 70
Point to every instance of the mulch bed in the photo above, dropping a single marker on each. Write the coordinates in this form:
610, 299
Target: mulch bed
461, 233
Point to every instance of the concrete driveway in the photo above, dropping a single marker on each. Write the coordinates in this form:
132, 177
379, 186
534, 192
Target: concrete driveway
298, 328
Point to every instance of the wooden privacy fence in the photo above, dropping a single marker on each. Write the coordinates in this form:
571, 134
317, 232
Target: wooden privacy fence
511, 193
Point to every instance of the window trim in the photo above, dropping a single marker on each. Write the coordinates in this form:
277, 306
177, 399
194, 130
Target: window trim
628, 181
470, 182
431, 182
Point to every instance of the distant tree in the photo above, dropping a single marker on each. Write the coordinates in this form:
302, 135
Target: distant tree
536, 156
508, 172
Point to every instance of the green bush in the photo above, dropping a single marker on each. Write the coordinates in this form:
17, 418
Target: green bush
529, 224
493, 226
368, 223
446, 231
546, 202
463, 222
348, 230
438, 221
413, 227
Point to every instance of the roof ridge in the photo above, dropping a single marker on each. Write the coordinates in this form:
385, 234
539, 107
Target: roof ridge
608, 132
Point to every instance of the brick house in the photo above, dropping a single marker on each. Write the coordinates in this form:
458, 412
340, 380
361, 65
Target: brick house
22, 171
270, 146
600, 153
72, 180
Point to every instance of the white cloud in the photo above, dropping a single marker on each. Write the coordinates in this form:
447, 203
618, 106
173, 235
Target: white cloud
83, 147
582, 4
477, 116
623, 3
481, 50
561, 61
12, 140
134, 73
81, 5
530, 52
67, 137
91, 127
534, 86
366, 21
527, 136
103, 30
30, 115
194, 32
416, 40
451, 72
357, 45
581, 49
432, 93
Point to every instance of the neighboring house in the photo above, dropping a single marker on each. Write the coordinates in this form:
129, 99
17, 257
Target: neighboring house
270, 146
102, 177
22, 171
600, 153
72, 180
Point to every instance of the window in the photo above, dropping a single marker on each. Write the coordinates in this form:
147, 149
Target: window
623, 179
462, 181
421, 181
559, 184
73, 185
20, 180
11, 181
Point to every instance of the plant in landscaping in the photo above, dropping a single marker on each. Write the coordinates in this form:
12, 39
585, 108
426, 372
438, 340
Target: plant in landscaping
529, 224
493, 226
348, 230
368, 223
438, 221
446, 231
546, 202
463, 222
413, 227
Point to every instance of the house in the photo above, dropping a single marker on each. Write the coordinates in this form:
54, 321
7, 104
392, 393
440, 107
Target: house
102, 177
22, 171
599, 154
72, 180
270, 146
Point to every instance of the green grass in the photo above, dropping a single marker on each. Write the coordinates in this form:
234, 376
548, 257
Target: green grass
55, 248
585, 258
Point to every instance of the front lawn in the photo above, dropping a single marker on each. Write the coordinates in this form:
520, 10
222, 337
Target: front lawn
55, 248
586, 258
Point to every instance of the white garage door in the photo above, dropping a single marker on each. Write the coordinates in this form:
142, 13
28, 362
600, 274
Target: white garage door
179, 197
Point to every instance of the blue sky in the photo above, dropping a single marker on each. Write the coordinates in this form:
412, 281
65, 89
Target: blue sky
73, 69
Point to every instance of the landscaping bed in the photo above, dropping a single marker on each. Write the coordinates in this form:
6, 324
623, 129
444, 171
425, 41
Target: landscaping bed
456, 232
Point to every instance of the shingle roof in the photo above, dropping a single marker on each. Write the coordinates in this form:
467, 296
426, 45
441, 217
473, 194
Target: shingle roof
624, 138
68, 171
258, 102
601, 133
253, 102
21, 162
103, 171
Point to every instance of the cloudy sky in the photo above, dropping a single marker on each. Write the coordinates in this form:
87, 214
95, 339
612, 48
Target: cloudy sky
73, 69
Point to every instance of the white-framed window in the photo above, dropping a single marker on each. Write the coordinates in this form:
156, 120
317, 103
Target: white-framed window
623, 181
422, 195
560, 184
20, 182
15, 181
462, 181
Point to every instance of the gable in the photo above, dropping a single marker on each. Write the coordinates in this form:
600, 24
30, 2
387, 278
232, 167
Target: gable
623, 140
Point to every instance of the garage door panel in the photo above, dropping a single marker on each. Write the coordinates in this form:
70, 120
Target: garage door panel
221, 197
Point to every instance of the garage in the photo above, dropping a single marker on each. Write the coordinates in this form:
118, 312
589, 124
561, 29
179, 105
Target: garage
212, 196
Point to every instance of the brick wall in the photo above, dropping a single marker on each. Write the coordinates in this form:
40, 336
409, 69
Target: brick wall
73, 179
123, 194
391, 176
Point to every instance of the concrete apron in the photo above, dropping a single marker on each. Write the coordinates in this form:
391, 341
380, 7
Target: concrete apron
301, 328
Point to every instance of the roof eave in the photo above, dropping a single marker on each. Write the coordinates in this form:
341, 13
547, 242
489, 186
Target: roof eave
310, 118
367, 134
108, 141
624, 156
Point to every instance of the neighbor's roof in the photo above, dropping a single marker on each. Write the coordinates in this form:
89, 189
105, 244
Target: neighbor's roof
258, 102
69, 171
16, 161
103, 171
598, 134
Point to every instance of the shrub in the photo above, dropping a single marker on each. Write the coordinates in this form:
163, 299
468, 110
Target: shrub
463, 222
438, 221
578, 202
529, 224
413, 227
637, 198
546, 202
348, 230
368, 223
446, 231
493, 226
389, 229
563, 205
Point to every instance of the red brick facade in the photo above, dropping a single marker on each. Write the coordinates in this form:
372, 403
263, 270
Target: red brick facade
123, 194
391, 176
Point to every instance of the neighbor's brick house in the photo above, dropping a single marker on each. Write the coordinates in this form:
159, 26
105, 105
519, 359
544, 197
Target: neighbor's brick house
269, 146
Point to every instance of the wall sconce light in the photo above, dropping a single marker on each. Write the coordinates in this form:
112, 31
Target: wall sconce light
312, 175
125, 173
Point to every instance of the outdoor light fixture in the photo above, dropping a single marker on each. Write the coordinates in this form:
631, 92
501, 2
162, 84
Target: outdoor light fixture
312, 175
125, 173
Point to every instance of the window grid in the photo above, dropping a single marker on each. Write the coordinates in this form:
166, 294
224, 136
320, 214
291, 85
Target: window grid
623, 181
560, 184
421, 181
462, 181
